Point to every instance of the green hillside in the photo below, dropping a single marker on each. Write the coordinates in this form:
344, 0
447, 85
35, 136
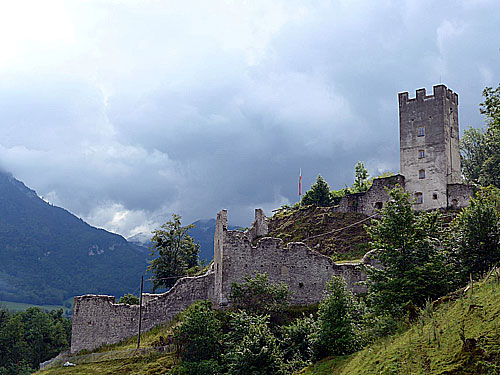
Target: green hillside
460, 336
49, 255
337, 234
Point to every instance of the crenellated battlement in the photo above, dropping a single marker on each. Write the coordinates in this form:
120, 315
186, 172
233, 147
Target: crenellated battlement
438, 92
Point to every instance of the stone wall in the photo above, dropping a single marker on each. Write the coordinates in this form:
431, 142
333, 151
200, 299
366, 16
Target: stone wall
98, 320
459, 195
304, 270
373, 199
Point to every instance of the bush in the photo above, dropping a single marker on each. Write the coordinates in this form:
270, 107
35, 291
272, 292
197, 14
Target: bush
129, 299
475, 235
257, 353
296, 342
257, 295
199, 336
336, 332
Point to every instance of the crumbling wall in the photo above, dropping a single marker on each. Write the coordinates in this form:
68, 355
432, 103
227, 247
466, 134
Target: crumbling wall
304, 270
373, 199
459, 195
98, 320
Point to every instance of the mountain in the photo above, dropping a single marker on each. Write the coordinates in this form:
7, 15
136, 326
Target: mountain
203, 233
48, 254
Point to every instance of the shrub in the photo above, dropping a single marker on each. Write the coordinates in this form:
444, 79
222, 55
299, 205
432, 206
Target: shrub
336, 332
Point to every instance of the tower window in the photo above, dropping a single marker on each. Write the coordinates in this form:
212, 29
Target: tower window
421, 131
421, 173
421, 154
419, 198
434, 196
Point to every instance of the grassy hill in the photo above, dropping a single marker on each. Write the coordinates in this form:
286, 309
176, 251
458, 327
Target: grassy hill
459, 336
339, 235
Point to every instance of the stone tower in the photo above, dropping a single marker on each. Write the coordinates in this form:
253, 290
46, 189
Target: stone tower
429, 146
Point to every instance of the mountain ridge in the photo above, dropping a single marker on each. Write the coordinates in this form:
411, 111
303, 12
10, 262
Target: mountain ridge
49, 255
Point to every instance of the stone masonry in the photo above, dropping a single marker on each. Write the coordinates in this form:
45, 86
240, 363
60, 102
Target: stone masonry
98, 320
430, 171
429, 149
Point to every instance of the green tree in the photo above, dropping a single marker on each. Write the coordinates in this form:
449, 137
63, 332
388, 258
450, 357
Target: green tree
175, 250
336, 332
30, 337
408, 246
199, 339
481, 149
475, 235
257, 295
129, 299
257, 353
361, 181
319, 194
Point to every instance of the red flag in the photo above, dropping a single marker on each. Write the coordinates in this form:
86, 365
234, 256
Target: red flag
300, 182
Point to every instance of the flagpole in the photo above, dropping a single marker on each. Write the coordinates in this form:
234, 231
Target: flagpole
300, 186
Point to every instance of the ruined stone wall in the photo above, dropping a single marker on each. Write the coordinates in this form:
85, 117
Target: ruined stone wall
304, 270
459, 195
373, 199
98, 320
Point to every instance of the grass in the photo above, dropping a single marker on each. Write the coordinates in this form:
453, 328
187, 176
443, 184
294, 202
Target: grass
456, 337
155, 363
140, 365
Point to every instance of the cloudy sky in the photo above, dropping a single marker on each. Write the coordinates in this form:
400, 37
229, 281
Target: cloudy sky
124, 112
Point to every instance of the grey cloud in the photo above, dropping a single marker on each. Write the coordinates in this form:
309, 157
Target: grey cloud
193, 111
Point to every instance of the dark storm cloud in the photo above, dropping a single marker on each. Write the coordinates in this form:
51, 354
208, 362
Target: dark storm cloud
145, 109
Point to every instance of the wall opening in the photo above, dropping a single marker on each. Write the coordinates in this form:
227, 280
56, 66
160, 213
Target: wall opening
421, 174
419, 198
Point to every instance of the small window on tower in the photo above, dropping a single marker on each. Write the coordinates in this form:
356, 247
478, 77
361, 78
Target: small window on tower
434, 196
421, 154
421, 173
421, 131
419, 198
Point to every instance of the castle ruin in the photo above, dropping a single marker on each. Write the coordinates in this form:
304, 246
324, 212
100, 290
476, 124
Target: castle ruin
429, 157
430, 171
98, 320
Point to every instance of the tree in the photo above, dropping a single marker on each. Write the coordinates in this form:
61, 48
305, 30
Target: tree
257, 295
336, 332
408, 246
475, 235
319, 194
257, 353
199, 338
176, 252
361, 182
481, 149
129, 299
